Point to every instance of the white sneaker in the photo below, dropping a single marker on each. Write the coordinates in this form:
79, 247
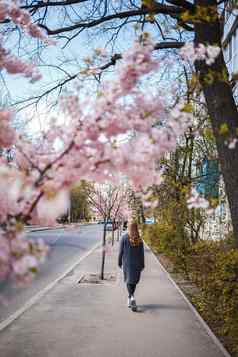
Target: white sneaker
133, 304
129, 302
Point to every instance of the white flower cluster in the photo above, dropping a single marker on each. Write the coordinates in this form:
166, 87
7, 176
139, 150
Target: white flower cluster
196, 201
232, 143
200, 53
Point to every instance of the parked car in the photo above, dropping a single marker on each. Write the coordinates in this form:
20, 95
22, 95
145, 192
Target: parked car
101, 221
150, 220
109, 226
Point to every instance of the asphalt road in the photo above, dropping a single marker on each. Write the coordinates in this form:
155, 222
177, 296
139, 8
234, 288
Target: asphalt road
65, 246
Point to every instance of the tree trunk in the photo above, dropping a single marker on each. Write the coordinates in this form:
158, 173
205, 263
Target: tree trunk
113, 226
189, 179
221, 107
118, 231
103, 251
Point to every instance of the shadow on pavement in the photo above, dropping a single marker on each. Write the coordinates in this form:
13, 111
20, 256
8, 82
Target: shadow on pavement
152, 307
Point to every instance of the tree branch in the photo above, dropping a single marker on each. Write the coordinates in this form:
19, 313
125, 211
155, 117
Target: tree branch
42, 4
183, 3
117, 56
159, 9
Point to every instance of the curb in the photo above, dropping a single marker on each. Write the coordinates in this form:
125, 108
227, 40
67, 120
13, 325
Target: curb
33, 300
43, 229
38, 229
192, 308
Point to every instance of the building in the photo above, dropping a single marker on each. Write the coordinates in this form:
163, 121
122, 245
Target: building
230, 42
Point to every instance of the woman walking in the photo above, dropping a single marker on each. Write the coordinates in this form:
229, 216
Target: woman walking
131, 258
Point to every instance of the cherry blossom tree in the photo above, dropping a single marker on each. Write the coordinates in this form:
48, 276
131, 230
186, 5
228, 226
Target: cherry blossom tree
18, 257
107, 201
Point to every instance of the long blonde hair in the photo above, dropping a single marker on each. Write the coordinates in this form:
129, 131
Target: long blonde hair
133, 234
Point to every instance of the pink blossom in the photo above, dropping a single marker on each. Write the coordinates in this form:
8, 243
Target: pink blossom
10, 10
5, 256
4, 10
138, 61
7, 134
196, 201
14, 65
41, 250
19, 245
25, 264
52, 205
21, 18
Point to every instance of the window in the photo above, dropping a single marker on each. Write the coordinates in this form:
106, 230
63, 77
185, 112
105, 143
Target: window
229, 50
208, 179
229, 7
235, 51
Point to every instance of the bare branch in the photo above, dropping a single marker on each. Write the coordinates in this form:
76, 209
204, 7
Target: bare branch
43, 4
185, 4
159, 9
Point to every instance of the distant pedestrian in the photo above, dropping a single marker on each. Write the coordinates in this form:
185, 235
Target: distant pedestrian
131, 258
124, 226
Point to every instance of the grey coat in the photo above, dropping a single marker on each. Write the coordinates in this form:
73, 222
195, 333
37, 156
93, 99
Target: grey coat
132, 260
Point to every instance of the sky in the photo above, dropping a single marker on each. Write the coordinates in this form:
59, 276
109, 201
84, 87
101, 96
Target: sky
53, 61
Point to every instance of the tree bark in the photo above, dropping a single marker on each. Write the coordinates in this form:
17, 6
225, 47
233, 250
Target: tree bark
113, 226
103, 251
118, 231
221, 107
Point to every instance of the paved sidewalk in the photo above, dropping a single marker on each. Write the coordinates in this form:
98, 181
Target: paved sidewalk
92, 320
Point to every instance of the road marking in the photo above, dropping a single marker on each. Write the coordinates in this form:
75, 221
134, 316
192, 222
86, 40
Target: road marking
44, 291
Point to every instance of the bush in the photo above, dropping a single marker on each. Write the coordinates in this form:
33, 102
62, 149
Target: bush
216, 274
152, 235
170, 240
